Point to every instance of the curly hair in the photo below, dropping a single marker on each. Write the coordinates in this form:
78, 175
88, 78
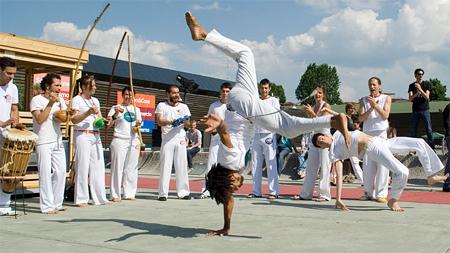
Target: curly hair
219, 183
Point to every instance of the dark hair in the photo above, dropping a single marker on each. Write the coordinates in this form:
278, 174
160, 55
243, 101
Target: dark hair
7, 62
219, 184
314, 139
226, 85
348, 106
83, 83
126, 89
324, 91
376, 78
48, 80
168, 89
264, 82
418, 70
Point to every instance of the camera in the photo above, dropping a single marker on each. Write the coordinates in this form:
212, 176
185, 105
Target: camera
187, 85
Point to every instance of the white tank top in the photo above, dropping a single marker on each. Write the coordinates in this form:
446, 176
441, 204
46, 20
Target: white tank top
374, 122
322, 130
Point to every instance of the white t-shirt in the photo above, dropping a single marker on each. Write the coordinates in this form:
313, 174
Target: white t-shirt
339, 150
169, 112
125, 120
241, 132
82, 105
217, 108
9, 96
272, 101
374, 122
50, 130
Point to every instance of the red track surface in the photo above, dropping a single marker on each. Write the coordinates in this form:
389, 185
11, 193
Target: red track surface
286, 190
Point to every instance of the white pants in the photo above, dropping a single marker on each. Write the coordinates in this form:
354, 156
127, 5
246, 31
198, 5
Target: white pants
124, 167
317, 158
265, 146
377, 151
244, 97
212, 157
5, 198
357, 168
431, 163
173, 152
376, 176
51, 159
5, 201
90, 165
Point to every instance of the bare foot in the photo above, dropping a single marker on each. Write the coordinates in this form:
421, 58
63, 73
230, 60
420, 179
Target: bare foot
340, 205
51, 212
436, 179
393, 205
220, 232
115, 199
197, 31
340, 123
82, 205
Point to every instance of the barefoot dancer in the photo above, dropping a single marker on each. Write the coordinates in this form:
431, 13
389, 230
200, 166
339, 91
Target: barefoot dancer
235, 131
381, 150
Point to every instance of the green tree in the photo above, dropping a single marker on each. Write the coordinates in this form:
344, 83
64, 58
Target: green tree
438, 91
278, 91
319, 75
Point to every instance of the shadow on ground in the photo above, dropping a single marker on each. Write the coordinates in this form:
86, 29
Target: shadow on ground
153, 229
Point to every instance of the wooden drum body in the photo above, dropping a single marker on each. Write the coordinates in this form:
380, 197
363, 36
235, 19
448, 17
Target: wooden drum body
16, 151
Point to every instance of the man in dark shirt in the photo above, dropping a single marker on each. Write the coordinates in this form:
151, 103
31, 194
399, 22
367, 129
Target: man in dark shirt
446, 114
419, 95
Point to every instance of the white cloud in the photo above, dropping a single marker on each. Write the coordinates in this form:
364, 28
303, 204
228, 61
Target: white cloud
106, 42
332, 6
213, 6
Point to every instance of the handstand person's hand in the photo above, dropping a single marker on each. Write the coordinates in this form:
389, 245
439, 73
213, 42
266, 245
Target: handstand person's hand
211, 122
220, 232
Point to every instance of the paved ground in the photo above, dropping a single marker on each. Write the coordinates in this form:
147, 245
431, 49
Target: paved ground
283, 225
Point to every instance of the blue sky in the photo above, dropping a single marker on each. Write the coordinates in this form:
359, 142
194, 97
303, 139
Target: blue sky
384, 38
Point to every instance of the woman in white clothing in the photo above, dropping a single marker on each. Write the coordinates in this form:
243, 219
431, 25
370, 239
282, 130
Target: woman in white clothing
317, 157
89, 161
124, 147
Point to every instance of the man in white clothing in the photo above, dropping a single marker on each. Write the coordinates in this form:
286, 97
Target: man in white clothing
9, 114
172, 116
265, 147
217, 108
244, 108
50, 151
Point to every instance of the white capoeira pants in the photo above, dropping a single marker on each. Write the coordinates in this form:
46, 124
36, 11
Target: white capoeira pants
51, 159
90, 165
317, 158
375, 175
173, 152
5, 201
244, 97
5, 198
357, 168
212, 158
124, 167
377, 151
265, 146
431, 163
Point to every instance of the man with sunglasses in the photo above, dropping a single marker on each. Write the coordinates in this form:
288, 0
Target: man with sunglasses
419, 94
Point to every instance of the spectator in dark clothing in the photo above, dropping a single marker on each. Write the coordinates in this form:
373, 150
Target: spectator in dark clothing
194, 139
419, 95
446, 114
